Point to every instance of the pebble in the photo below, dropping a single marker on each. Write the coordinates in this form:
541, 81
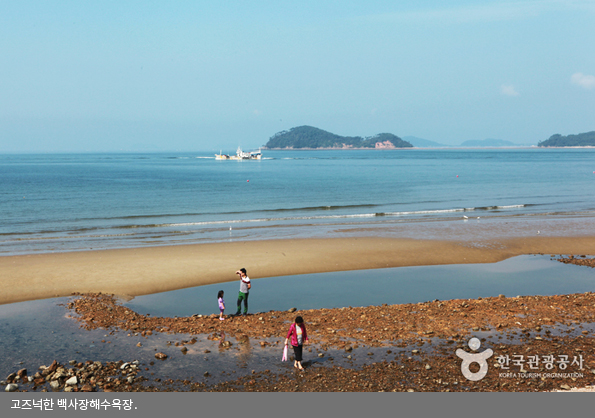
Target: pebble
72, 381
11, 387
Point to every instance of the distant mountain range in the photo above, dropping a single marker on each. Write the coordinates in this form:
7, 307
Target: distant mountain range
423, 143
309, 137
489, 142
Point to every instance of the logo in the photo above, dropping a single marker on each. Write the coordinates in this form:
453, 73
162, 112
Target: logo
479, 358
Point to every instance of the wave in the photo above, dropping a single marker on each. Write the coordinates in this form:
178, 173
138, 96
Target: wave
301, 215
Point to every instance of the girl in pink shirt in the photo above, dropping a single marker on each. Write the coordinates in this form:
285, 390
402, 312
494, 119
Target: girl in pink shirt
298, 335
221, 304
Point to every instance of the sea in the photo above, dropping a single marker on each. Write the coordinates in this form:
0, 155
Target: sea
78, 202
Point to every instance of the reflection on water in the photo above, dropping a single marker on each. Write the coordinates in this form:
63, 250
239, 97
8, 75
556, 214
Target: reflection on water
37, 332
523, 275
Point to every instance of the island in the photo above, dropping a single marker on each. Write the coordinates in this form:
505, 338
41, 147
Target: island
309, 137
489, 142
586, 139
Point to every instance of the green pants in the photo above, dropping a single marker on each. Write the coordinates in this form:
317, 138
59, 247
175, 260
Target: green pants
242, 297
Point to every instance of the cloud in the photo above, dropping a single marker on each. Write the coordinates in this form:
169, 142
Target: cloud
583, 80
508, 90
485, 12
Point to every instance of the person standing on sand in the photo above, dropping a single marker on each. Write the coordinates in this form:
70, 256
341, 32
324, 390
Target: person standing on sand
298, 335
244, 290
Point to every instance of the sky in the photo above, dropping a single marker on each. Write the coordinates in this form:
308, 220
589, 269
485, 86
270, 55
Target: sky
94, 76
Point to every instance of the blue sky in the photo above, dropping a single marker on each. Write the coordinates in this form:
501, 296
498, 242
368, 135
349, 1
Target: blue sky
191, 76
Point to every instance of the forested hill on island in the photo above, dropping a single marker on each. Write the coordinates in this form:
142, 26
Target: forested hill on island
312, 138
586, 139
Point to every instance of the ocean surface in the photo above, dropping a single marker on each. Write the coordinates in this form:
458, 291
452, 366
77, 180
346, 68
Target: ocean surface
74, 202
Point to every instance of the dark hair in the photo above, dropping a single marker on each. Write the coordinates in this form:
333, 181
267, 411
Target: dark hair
220, 294
243, 270
299, 320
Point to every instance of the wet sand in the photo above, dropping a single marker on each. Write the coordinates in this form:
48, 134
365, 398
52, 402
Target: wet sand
141, 271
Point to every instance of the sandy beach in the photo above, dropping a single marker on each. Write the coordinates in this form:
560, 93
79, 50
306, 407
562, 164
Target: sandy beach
141, 271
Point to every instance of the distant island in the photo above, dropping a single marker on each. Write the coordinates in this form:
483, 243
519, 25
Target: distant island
489, 142
586, 139
423, 143
310, 137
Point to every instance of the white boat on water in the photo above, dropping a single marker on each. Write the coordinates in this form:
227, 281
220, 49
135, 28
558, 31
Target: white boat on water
240, 155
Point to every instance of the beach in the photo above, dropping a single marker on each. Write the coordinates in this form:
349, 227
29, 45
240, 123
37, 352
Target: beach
140, 271
403, 347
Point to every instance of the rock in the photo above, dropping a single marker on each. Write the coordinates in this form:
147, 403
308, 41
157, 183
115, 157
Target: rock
11, 387
501, 296
53, 366
87, 388
428, 367
124, 366
160, 356
21, 373
139, 345
184, 350
130, 380
565, 387
414, 351
55, 385
68, 389
72, 362
348, 349
320, 355
72, 381
292, 310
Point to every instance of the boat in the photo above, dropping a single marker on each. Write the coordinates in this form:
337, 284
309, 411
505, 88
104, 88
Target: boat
240, 155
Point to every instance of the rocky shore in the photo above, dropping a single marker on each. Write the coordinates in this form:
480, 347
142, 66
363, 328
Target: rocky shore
409, 347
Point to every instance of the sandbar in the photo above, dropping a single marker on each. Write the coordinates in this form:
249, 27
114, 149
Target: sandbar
140, 271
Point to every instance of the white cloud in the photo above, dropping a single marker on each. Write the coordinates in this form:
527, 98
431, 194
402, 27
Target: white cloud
508, 90
583, 80
486, 11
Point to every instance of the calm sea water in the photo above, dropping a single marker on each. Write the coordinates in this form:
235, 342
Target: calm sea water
94, 201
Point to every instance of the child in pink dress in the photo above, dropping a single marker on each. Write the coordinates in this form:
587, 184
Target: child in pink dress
221, 304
